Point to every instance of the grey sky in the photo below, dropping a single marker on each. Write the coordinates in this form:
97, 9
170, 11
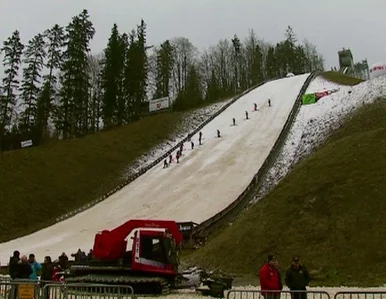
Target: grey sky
330, 24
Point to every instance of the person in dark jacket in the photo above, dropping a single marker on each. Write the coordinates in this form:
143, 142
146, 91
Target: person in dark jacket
24, 269
63, 260
77, 256
46, 277
297, 279
13, 264
90, 255
47, 268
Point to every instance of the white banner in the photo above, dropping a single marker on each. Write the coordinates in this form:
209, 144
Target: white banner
26, 143
159, 104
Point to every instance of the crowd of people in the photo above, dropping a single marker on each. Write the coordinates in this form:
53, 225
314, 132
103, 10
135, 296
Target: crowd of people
180, 150
21, 267
296, 278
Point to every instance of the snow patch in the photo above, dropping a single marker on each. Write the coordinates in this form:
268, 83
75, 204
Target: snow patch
315, 123
191, 121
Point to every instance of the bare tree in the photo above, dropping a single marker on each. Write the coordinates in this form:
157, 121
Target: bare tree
185, 54
95, 91
315, 60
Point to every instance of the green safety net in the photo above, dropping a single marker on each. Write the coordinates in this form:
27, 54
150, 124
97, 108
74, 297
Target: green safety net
309, 99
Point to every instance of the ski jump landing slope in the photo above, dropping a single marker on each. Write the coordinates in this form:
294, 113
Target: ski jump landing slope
207, 179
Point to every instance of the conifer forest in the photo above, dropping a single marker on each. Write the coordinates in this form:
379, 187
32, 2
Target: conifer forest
55, 87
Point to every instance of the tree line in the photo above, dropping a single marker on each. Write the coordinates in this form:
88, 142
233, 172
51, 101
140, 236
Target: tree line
54, 87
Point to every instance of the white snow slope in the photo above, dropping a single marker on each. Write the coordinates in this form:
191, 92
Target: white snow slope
315, 122
206, 180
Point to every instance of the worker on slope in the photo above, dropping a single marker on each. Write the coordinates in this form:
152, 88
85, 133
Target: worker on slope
170, 159
181, 147
234, 121
218, 133
192, 144
254, 107
270, 279
246, 115
199, 137
178, 156
297, 278
166, 165
269, 102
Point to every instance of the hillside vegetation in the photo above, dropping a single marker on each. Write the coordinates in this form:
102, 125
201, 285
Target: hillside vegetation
330, 210
341, 78
41, 183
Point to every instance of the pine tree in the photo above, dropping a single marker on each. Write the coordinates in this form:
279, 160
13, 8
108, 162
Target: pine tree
142, 68
271, 64
75, 78
191, 96
121, 109
111, 76
45, 109
212, 91
135, 73
237, 56
12, 50
164, 69
34, 59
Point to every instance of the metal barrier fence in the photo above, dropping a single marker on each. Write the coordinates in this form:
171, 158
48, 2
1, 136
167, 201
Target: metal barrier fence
51, 290
286, 294
361, 295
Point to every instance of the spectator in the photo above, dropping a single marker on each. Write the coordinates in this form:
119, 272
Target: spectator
297, 279
63, 260
77, 255
83, 258
35, 266
269, 279
90, 255
24, 269
57, 273
47, 269
13, 264
47, 272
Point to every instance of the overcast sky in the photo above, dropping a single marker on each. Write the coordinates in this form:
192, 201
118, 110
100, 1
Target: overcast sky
330, 24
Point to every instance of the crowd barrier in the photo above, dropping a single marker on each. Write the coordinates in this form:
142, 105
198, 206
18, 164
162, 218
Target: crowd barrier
159, 159
51, 290
361, 295
285, 294
205, 228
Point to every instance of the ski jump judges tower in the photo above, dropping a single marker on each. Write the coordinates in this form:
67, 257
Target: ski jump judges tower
346, 61
347, 65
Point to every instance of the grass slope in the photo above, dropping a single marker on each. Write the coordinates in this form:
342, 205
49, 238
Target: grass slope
340, 78
330, 210
39, 184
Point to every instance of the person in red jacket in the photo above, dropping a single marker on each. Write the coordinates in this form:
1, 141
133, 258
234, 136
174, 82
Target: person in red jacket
270, 279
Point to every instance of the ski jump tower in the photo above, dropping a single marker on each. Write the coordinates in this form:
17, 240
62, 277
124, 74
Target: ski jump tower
347, 65
346, 61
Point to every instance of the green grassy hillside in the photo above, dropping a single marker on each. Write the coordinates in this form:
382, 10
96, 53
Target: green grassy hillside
341, 78
330, 210
39, 184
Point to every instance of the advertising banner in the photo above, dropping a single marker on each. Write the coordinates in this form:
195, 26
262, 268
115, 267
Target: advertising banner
308, 99
159, 104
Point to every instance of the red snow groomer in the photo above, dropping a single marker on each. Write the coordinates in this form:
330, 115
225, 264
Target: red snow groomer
150, 266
